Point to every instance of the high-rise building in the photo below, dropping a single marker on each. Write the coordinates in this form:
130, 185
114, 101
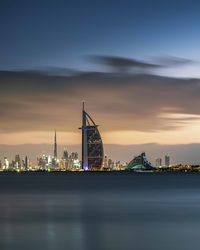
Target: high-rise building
110, 164
54, 161
17, 161
43, 162
105, 163
158, 162
6, 163
92, 146
167, 160
55, 147
74, 155
65, 155
26, 163
64, 164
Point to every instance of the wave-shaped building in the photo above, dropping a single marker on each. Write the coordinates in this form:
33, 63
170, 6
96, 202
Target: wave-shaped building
92, 145
140, 163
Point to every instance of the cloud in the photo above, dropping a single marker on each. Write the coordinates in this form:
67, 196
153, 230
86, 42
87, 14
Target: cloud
171, 61
122, 64
39, 101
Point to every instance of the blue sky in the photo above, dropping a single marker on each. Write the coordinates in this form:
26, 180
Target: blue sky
63, 33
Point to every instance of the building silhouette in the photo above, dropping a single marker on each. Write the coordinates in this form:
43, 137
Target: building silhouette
65, 154
92, 146
55, 147
140, 163
18, 160
167, 160
26, 163
158, 162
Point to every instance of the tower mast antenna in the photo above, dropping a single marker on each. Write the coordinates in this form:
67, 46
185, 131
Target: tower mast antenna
83, 102
55, 146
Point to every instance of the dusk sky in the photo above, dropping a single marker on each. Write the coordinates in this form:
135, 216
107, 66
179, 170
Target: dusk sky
135, 63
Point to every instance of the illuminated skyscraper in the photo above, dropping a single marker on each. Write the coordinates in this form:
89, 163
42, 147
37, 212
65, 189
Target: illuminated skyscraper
92, 146
26, 163
6, 163
105, 163
65, 154
158, 162
55, 146
17, 161
167, 160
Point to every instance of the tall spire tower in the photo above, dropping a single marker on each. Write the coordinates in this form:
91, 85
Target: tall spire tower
55, 146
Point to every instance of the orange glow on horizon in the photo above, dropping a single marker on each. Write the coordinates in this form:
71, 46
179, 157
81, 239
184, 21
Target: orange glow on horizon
184, 135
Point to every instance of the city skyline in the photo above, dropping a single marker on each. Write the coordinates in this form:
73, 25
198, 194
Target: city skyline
138, 73
99, 124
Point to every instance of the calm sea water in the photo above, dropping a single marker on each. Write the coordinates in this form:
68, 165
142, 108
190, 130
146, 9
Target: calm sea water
111, 211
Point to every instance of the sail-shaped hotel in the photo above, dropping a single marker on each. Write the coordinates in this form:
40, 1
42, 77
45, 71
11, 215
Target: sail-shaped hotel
92, 145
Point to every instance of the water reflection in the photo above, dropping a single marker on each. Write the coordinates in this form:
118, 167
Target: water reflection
103, 218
